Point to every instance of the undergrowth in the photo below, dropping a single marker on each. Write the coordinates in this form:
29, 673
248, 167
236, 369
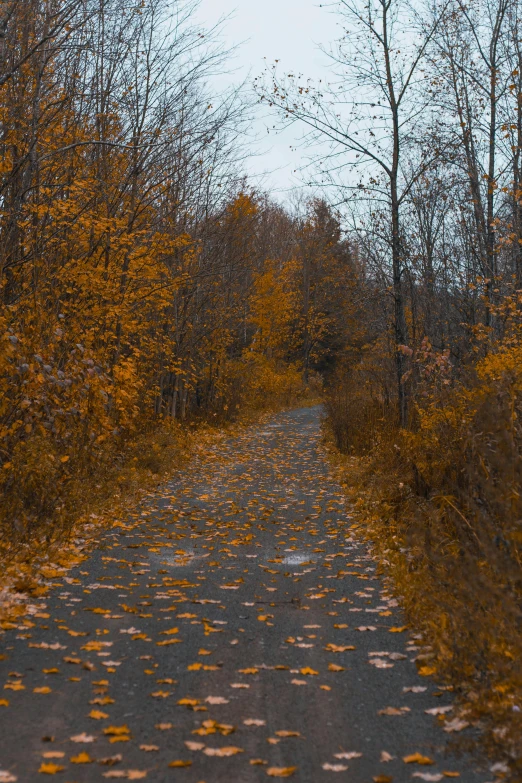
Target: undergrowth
441, 502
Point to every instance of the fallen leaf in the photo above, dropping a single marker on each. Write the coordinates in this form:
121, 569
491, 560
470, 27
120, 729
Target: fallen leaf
254, 722
194, 745
98, 715
179, 763
149, 748
43, 689
280, 772
226, 751
434, 777
82, 738
115, 731
333, 667
394, 711
50, 768
417, 758
308, 671
81, 758
216, 700
350, 755
438, 710
284, 733
455, 725
109, 761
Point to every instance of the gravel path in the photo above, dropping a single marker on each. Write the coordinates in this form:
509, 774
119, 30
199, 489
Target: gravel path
233, 630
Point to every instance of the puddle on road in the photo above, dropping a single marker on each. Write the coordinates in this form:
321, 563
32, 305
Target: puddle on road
176, 561
298, 558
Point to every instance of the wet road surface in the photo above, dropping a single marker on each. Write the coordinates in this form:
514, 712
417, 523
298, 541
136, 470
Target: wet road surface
233, 630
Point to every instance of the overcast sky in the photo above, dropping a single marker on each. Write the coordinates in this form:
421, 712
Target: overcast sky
285, 30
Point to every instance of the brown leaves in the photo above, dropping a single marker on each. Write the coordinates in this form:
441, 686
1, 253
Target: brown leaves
338, 648
394, 711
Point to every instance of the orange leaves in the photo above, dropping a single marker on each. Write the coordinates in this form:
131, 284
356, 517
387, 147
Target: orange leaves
281, 772
97, 715
49, 768
417, 758
81, 758
117, 733
213, 727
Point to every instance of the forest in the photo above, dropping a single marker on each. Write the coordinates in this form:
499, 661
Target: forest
150, 290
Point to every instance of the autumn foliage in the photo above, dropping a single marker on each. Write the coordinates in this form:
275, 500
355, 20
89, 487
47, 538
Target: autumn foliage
143, 283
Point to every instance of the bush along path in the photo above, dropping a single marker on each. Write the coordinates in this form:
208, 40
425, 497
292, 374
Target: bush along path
233, 630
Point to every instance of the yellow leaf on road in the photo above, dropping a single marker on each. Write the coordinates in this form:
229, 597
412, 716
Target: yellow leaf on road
50, 768
82, 758
97, 715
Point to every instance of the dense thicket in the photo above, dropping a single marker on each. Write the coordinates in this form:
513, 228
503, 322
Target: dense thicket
141, 279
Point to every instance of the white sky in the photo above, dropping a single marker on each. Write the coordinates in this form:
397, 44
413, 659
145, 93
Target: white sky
285, 30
